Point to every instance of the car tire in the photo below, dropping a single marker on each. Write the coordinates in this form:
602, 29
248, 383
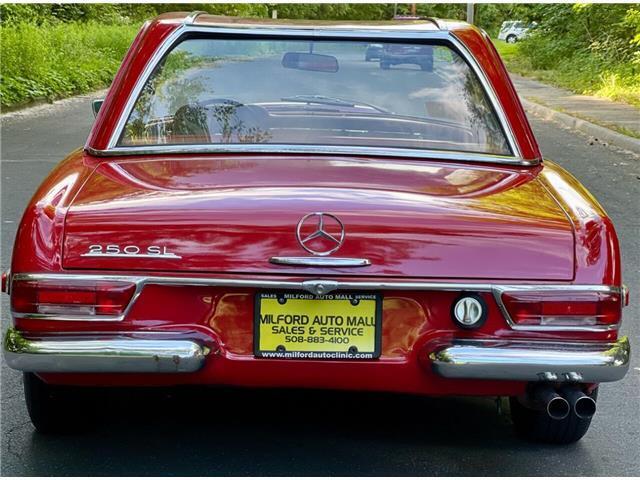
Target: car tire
385, 65
367, 59
55, 408
512, 39
537, 426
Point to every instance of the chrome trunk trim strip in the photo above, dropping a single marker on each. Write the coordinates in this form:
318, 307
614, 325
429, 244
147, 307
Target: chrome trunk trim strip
495, 289
533, 361
298, 284
326, 262
108, 355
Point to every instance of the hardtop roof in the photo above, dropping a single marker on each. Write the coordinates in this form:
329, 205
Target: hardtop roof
204, 19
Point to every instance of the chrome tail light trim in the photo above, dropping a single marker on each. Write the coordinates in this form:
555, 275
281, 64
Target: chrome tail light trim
498, 290
311, 285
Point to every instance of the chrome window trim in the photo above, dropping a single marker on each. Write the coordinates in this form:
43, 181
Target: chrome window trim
312, 149
368, 34
311, 285
493, 97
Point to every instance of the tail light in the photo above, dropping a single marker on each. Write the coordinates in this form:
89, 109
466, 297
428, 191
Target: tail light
69, 298
5, 282
563, 309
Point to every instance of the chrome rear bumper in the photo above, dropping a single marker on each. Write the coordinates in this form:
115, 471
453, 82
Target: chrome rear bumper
464, 359
112, 355
533, 361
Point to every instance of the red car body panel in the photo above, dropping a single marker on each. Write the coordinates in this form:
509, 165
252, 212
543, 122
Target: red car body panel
226, 215
232, 214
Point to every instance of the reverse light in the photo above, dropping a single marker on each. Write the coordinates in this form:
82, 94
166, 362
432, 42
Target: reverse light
71, 298
563, 309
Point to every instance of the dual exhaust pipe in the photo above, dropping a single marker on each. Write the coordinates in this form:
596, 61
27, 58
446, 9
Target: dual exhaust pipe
559, 403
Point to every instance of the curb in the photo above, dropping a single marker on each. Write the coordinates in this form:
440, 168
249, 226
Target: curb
39, 107
601, 134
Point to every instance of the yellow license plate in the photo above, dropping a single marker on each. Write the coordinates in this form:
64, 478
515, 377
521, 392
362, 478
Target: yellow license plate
302, 326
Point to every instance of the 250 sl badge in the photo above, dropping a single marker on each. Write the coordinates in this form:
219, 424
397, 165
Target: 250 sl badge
152, 251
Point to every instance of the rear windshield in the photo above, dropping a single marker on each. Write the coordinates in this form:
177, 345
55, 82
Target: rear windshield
322, 93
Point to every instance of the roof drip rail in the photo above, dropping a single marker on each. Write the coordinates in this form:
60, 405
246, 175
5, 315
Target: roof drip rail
191, 18
434, 21
416, 17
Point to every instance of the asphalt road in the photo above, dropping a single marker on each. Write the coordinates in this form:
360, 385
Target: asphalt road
249, 432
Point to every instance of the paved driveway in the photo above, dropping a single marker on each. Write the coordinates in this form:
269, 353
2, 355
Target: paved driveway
249, 432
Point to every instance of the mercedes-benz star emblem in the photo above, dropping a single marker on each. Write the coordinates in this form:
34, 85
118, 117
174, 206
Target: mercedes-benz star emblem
320, 233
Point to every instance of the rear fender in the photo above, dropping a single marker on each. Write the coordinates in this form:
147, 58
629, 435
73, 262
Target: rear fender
38, 243
597, 251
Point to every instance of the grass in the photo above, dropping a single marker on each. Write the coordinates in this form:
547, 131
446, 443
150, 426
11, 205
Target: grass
55, 61
582, 74
508, 51
48, 62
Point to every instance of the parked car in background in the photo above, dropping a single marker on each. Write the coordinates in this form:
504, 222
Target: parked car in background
398, 54
256, 206
514, 31
373, 52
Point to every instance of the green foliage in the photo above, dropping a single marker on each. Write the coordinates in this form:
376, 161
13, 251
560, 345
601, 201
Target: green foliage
59, 60
490, 16
333, 11
589, 48
14, 13
52, 13
50, 51
54, 50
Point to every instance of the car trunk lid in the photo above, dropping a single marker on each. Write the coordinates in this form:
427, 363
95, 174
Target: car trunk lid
233, 214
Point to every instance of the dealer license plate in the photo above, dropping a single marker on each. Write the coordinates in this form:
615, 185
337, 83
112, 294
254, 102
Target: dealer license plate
339, 326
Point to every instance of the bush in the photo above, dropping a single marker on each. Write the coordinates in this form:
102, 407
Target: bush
53, 61
591, 49
51, 13
50, 51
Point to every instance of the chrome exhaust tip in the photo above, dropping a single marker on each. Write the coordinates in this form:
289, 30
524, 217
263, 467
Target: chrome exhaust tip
558, 408
554, 405
583, 405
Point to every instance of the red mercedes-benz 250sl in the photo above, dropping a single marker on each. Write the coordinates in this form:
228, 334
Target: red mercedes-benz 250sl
257, 205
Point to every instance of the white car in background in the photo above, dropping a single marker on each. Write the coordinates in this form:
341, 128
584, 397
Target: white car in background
514, 31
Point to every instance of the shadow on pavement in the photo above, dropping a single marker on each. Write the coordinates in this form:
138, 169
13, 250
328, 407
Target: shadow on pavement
209, 431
